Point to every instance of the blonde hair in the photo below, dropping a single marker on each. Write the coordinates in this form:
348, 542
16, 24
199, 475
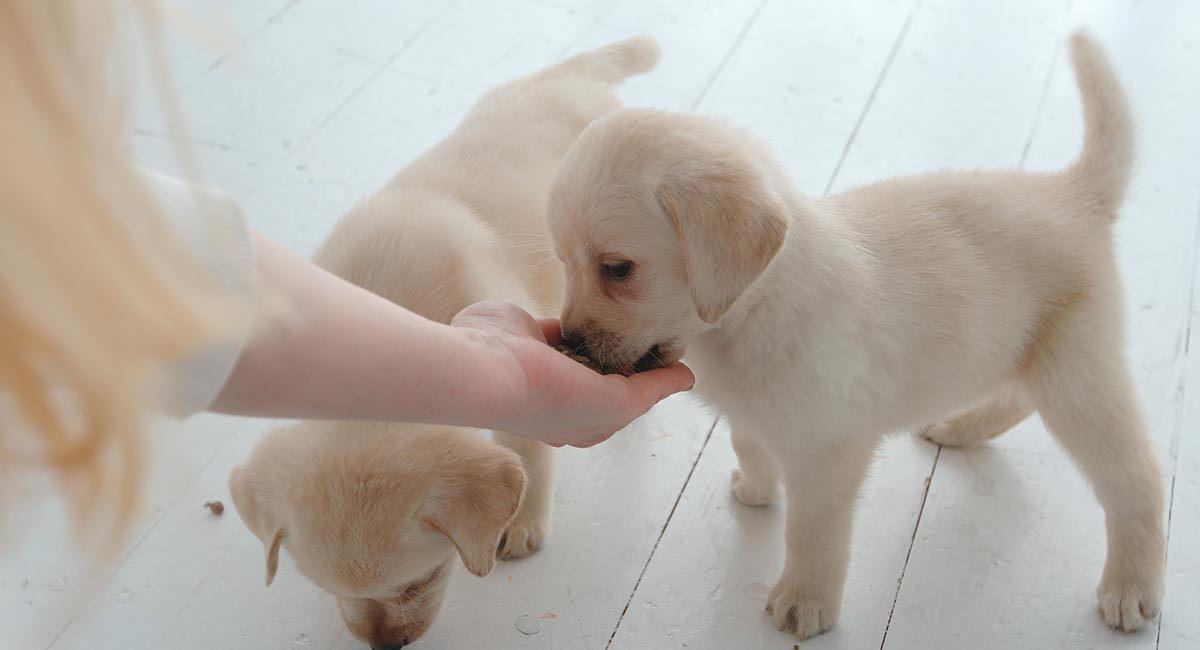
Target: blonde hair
96, 293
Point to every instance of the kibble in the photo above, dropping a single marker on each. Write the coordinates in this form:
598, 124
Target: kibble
579, 358
215, 507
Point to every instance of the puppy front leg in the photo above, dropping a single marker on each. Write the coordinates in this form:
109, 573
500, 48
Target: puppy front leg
822, 486
532, 523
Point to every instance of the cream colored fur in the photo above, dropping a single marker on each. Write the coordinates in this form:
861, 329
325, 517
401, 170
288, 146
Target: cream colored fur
375, 512
820, 325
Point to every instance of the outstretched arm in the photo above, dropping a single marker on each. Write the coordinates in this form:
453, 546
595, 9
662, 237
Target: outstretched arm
342, 352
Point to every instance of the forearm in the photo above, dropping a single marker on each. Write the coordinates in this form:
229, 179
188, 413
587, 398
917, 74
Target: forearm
336, 351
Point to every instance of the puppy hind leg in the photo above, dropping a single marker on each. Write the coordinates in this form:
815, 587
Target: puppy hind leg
1085, 393
756, 479
983, 421
531, 525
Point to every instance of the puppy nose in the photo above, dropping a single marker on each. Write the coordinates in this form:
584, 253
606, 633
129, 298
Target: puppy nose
575, 343
389, 646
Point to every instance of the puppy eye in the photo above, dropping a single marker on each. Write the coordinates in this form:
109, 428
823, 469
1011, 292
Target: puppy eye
617, 270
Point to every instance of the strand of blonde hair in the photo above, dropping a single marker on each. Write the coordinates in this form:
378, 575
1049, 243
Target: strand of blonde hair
97, 293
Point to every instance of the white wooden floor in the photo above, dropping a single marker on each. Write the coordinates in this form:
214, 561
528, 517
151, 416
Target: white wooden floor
303, 106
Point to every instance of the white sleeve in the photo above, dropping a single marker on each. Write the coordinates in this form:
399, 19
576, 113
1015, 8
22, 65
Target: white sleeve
210, 224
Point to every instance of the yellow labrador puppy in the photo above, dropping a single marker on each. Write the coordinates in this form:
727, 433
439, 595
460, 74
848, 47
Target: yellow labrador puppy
375, 512
818, 326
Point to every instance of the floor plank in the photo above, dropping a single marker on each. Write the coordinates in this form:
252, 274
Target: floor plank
303, 106
707, 584
1180, 628
46, 579
1012, 541
586, 573
708, 581
275, 91
196, 580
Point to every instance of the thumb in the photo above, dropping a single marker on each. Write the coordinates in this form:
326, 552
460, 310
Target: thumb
653, 386
552, 330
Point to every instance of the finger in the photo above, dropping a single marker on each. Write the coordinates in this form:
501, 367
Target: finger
655, 385
591, 441
483, 308
492, 315
552, 330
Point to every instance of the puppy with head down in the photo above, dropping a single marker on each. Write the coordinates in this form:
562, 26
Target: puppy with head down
376, 513
818, 326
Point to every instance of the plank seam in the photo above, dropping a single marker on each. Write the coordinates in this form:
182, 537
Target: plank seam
887, 65
1021, 164
387, 63
272, 19
911, 543
737, 43
357, 91
1041, 105
600, 18
661, 532
116, 568
1176, 435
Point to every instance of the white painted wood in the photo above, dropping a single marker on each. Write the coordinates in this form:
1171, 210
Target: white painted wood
1011, 544
203, 33
45, 580
962, 90
196, 581
469, 48
707, 584
275, 91
199, 585
696, 37
1168, 75
610, 506
306, 105
804, 74
1180, 626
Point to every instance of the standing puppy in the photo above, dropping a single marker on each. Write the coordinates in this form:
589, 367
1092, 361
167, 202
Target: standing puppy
820, 325
375, 512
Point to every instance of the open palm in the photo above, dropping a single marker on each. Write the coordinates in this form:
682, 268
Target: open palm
555, 399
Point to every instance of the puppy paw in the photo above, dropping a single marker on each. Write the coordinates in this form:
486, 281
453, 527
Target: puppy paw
752, 493
522, 539
1129, 604
801, 613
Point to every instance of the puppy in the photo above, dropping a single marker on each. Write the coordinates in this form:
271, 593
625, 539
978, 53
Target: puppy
374, 512
818, 326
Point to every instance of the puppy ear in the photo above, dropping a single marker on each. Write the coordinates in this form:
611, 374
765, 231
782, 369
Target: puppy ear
731, 227
273, 554
249, 499
474, 502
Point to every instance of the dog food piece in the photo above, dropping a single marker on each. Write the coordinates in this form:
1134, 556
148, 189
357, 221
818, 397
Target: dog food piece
215, 507
579, 358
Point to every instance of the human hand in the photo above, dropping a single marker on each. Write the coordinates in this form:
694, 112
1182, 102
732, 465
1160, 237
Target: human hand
539, 393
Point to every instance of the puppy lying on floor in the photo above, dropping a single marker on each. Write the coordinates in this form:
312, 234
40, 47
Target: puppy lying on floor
374, 512
818, 326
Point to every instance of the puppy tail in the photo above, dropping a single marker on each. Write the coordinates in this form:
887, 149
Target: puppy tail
1105, 166
616, 61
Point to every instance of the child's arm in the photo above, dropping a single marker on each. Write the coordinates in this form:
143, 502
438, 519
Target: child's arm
345, 353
